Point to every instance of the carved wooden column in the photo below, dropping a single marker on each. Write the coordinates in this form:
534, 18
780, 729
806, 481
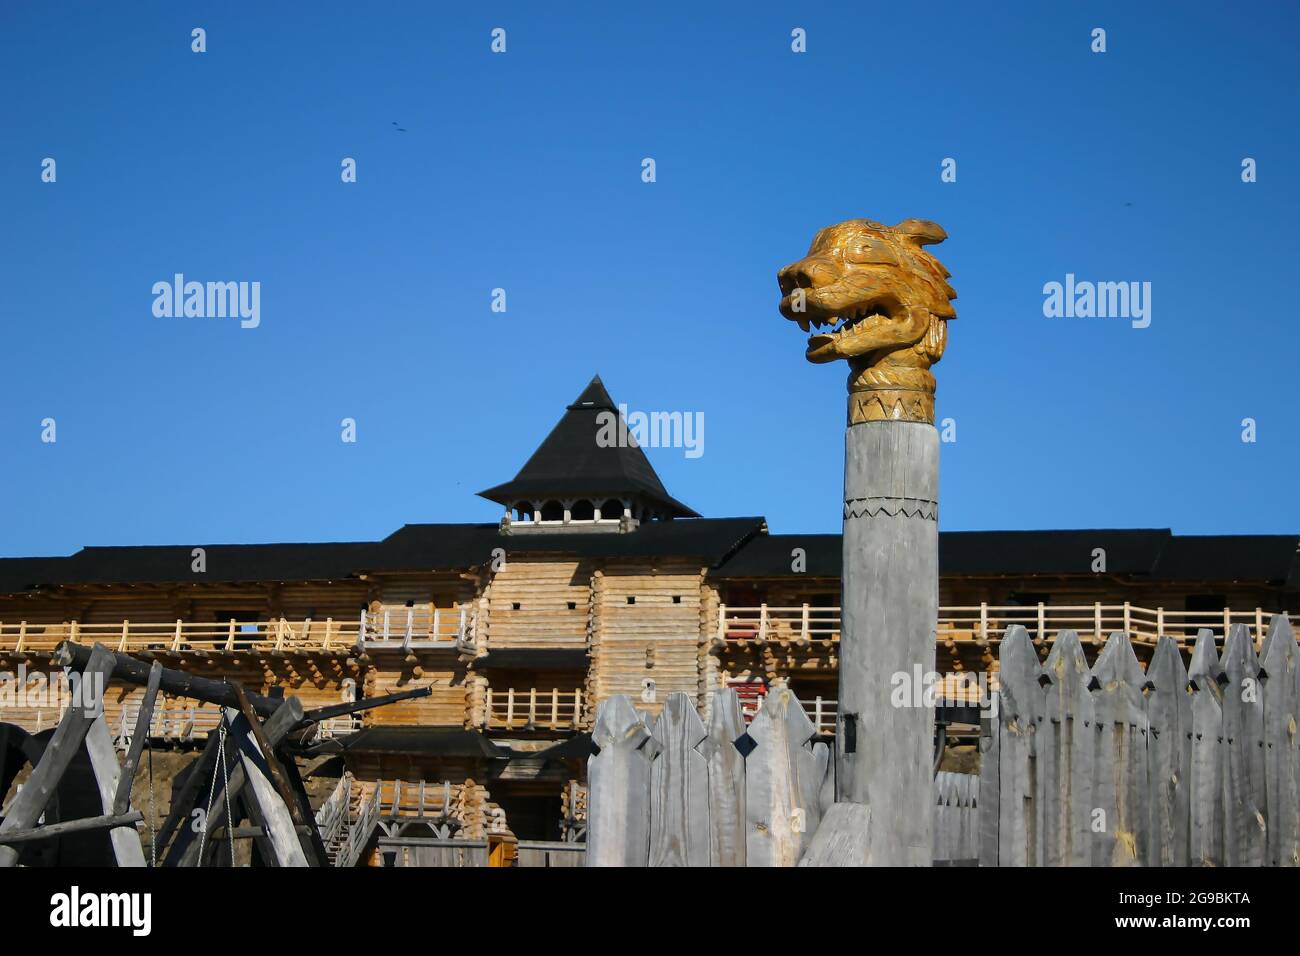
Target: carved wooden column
884, 304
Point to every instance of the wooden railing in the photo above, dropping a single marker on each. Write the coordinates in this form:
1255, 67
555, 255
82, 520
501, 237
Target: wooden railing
534, 709
418, 627
134, 636
417, 798
984, 623
357, 832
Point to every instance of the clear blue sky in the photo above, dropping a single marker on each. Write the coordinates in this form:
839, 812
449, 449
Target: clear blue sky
522, 171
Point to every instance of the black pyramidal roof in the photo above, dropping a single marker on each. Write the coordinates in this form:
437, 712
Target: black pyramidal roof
570, 462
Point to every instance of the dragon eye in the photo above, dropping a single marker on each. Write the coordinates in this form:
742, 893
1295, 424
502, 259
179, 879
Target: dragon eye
871, 251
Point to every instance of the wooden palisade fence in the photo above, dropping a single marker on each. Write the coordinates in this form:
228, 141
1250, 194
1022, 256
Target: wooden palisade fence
1101, 765
677, 793
674, 792
1109, 765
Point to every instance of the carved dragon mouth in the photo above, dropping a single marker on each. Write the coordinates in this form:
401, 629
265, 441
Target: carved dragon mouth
848, 333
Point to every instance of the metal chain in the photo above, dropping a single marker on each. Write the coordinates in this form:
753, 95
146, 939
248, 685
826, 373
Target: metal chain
153, 815
225, 772
212, 792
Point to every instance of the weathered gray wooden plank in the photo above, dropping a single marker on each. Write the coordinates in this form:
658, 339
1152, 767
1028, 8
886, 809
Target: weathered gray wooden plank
780, 782
842, 839
679, 788
1120, 788
618, 795
726, 771
127, 849
1206, 791
1245, 836
989, 808
1020, 821
1169, 757
261, 790
1067, 745
1281, 756
88, 703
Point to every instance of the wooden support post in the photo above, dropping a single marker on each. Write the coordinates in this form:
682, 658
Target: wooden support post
108, 778
126, 630
31, 801
274, 810
184, 850
176, 641
122, 800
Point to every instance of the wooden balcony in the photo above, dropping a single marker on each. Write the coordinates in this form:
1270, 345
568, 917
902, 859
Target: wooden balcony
534, 709
419, 628
984, 624
270, 636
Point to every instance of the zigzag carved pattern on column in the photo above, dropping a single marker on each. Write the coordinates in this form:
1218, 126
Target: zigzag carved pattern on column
909, 507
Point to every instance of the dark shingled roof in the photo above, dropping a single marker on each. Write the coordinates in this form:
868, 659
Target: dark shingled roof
534, 658
434, 741
1248, 557
451, 546
772, 555
414, 547
1049, 552
570, 462
1154, 553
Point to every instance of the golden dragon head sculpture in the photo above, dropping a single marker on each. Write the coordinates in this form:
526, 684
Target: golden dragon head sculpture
883, 302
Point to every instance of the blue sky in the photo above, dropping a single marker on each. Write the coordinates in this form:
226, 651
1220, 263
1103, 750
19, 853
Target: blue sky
522, 171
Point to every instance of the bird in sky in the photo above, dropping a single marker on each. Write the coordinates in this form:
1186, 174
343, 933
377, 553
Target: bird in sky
398, 128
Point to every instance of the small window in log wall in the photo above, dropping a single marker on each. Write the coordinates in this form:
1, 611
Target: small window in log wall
631, 599
514, 605
677, 599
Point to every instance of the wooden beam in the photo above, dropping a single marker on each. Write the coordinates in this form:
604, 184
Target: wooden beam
177, 683
53, 830
145, 717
